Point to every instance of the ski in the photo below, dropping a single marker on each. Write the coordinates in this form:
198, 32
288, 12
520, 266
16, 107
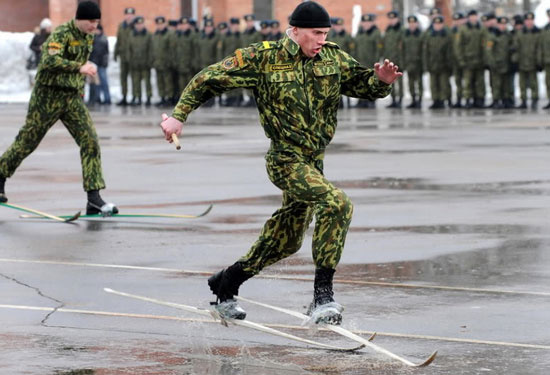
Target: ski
243, 323
346, 333
40, 214
137, 215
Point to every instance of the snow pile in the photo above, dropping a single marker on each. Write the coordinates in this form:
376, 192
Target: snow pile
14, 79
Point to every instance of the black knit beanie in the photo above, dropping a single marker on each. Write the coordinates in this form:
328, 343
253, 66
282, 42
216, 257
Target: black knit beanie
309, 15
88, 10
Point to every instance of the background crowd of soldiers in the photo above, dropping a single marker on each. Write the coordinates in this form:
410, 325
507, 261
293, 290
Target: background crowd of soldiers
505, 47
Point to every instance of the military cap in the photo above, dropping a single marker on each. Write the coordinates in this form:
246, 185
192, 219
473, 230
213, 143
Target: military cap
208, 22
309, 15
264, 24
160, 19
222, 26
234, 21
472, 12
193, 22
458, 16
529, 16
139, 20
435, 11
337, 21
275, 23
503, 20
129, 11
184, 20
518, 19
489, 16
393, 14
411, 19
438, 19
368, 17
173, 22
249, 17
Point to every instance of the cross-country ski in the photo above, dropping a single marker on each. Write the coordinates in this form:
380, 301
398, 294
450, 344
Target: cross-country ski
43, 215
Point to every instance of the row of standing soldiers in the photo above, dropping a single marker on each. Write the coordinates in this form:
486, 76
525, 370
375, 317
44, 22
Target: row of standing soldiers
176, 50
464, 51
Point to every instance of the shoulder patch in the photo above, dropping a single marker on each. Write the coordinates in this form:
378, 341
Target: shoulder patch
54, 45
265, 45
332, 44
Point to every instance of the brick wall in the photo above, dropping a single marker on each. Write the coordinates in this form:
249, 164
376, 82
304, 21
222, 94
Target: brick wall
22, 15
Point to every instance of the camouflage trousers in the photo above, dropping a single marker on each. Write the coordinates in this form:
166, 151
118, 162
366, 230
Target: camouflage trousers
47, 105
306, 193
458, 77
528, 79
499, 85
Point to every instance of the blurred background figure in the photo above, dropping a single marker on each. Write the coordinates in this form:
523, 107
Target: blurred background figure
100, 57
37, 41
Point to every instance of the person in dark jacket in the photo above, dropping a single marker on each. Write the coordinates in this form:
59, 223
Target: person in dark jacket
100, 57
37, 41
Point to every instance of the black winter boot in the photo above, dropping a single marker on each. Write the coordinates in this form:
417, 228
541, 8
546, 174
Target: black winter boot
225, 285
96, 205
3, 198
324, 309
123, 102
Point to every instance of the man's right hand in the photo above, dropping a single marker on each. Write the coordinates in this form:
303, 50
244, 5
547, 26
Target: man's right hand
89, 69
170, 126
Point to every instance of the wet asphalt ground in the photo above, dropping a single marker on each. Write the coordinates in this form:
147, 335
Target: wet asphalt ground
449, 247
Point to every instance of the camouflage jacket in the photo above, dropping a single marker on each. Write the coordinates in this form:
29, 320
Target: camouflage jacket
162, 51
412, 51
121, 47
185, 51
141, 53
529, 53
207, 49
498, 51
297, 97
471, 46
368, 46
545, 45
393, 44
63, 53
437, 51
344, 41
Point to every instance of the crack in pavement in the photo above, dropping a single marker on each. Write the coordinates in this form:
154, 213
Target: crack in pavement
39, 292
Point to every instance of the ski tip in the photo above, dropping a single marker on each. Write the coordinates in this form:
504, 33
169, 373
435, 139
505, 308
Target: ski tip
207, 211
74, 217
372, 337
429, 360
108, 290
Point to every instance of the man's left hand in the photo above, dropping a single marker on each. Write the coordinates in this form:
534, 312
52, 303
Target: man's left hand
387, 72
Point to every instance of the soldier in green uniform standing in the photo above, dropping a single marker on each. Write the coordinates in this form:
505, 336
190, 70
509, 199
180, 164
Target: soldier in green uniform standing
514, 67
368, 48
412, 60
276, 33
57, 95
141, 45
297, 83
233, 98
161, 59
529, 60
265, 29
249, 36
185, 52
393, 51
207, 44
223, 33
438, 51
471, 44
498, 59
344, 40
545, 48
122, 51
458, 22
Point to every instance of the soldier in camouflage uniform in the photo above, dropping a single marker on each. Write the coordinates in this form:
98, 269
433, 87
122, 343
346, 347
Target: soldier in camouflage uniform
529, 60
368, 48
412, 60
185, 51
471, 54
297, 83
545, 48
161, 59
458, 22
393, 51
276, 33
438, 51
498, 59
141, 45
122, 52
57, 95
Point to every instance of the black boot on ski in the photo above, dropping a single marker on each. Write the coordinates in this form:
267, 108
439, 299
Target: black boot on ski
323, 309
96, 205
3, 198
225, 285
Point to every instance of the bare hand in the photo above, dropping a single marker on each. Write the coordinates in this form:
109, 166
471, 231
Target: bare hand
170, 126
387, 72
89, 69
